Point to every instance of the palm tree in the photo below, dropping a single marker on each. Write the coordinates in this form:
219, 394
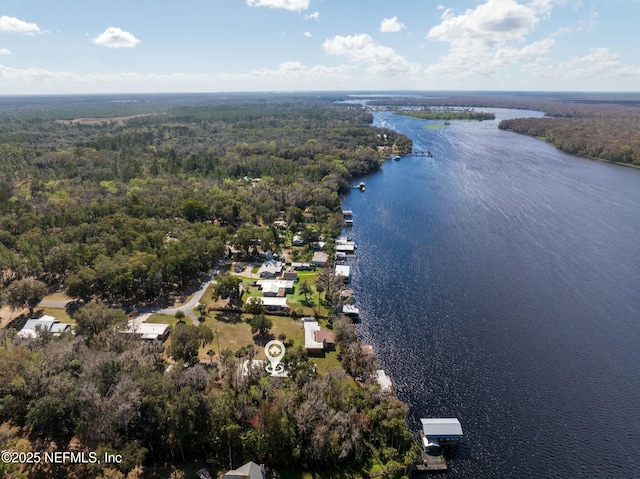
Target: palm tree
305, 290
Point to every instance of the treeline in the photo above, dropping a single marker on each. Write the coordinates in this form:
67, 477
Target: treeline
596, 125
449, 115
102, 391
614, 139
132, 212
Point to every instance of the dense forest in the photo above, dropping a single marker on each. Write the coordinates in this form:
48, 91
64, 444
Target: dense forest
602, 126
102, 391
125, 202
129, 212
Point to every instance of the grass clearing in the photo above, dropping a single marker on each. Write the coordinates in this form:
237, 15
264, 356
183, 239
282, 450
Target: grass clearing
233, 332
57, 297
59, 313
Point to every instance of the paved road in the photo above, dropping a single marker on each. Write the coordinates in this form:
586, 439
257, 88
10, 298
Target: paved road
187, 308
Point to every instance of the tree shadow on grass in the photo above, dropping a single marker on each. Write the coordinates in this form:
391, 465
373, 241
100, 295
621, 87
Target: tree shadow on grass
18, 322
229, 317
262, 340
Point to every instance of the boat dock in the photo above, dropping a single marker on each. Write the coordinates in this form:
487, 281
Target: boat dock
432, 461
436, 433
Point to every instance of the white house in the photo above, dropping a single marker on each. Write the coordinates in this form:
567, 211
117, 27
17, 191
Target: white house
270, 269
316, 339
276, 287
274, 304
148, 331
44, 323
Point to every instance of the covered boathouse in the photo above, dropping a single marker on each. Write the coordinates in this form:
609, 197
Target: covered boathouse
436, 432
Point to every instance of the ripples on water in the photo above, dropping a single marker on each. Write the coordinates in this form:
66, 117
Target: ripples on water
497, 282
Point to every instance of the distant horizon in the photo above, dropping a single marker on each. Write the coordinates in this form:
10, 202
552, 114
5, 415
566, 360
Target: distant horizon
352, 92
230, 46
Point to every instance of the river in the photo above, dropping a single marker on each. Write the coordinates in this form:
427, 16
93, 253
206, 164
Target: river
498, 282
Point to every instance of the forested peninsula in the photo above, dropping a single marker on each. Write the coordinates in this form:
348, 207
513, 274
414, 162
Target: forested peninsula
448, 114
123, 202
595, 125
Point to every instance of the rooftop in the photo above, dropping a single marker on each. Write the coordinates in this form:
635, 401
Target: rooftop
441, 428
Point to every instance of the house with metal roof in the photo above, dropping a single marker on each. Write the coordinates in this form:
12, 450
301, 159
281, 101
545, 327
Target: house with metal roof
274, 304
44, 323
148, 331
270, 269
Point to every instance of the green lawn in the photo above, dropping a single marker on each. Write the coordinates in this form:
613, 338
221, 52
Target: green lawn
234, 332
163, 319
59, 313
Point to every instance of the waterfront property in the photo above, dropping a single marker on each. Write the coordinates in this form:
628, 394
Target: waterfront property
435, 433
348, 217
317, 339
383, 380
343, 271
350, 310
438, 431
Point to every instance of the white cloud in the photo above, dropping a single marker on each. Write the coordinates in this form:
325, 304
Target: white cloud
490, 36
494, 22
589, 69
391, 25
300, 72
293, 5
313, 16
585, 25
288, 75
114, 37
14, 25
510, 55
4, 51
308, 34
364, 50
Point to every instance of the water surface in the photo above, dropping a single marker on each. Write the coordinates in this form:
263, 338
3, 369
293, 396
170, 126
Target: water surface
498, 282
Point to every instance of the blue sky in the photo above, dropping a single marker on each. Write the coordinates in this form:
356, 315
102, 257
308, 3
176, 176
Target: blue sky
116, 46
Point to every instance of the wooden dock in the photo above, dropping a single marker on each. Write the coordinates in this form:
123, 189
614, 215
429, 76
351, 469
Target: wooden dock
432, 461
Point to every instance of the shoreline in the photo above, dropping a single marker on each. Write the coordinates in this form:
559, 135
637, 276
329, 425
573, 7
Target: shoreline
595, 158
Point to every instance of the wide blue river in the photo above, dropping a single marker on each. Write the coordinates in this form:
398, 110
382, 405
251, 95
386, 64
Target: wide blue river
499, 282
